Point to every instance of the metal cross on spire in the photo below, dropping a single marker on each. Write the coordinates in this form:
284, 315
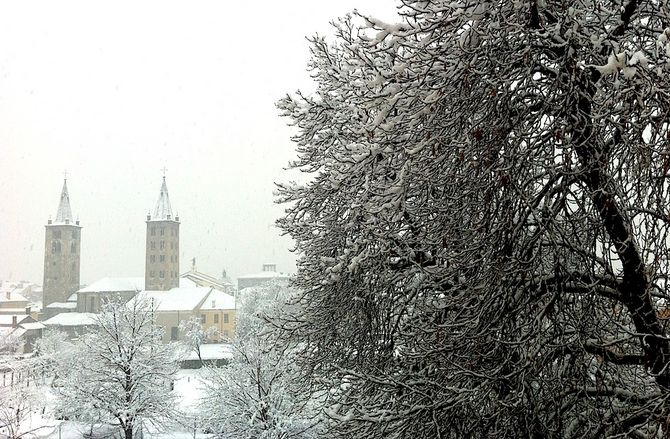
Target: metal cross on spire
164, 169
65, 174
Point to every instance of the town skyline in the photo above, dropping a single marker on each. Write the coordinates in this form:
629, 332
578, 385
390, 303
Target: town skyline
113, 97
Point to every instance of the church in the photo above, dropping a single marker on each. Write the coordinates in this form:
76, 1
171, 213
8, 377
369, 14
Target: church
69, 307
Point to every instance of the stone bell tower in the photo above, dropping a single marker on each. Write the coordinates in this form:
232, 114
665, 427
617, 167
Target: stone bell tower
162, 252
62, 250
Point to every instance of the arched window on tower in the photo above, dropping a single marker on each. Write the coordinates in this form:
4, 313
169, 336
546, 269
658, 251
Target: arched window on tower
73, 247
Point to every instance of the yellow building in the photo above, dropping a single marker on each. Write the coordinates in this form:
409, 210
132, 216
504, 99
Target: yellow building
213, 308
218, 310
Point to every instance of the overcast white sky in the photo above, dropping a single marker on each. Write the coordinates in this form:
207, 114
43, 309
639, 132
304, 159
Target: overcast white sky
114, 91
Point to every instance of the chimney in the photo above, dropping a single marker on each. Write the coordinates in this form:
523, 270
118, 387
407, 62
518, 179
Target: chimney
28, 310
14, 322
9, 295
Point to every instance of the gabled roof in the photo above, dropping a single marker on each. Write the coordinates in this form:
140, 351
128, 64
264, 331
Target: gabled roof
205, 280
64, 215
163, 209
32, 325
114, 285
13, 297
176, 299
216, 300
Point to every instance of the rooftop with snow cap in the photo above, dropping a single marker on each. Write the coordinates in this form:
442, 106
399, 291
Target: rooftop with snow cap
72, 319
163, 209
114, 285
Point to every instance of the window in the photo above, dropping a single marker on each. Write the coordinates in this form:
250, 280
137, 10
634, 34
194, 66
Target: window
225, 318
216, 318
152, 273
162, 245
152, 258
153, 245
74, 234
55, 247
203, 318
161, 274
153, 231
174, 333
172, 245
162, 231
57, 234
73, 247
162, 258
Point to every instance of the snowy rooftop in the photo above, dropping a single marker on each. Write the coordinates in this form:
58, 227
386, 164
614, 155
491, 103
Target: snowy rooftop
12, 296
204, 280
114, 284
71, 319
218, 300
212, 352
32, 325
177, 299
265, 275
62, 305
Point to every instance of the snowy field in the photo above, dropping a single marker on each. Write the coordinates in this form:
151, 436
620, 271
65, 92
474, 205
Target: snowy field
41, 423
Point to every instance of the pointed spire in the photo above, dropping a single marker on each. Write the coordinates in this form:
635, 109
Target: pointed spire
64, 215
163, 210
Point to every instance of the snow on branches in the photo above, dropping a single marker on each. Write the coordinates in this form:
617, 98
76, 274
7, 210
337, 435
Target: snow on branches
483, 238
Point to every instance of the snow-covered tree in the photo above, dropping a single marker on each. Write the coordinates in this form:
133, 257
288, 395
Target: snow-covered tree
54, 354
259, 394
484, 237
195, 336
9, 343
123, 372
16, 407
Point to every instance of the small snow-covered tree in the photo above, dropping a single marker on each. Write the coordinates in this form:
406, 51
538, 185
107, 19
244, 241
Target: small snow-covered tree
484, 237
124, 372
259, 394
195, 336
9, 343
17, 403
54, 354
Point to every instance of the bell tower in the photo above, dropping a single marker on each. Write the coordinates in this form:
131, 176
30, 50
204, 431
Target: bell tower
62, 246
162, 251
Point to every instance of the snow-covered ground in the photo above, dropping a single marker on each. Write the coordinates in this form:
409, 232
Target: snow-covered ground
188, 386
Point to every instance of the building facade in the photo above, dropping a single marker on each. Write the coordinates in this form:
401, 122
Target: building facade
162, 247
62, 249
